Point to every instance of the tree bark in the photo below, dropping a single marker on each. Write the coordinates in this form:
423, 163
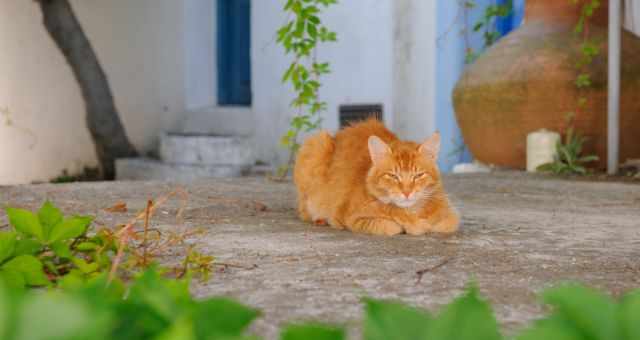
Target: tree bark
102, 119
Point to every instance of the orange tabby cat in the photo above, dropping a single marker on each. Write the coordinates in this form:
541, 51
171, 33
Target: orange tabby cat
366, 180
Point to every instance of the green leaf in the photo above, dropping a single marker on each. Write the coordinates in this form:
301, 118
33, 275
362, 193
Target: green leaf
87, 246
27, 246
467, 317
69, 228
629, 316
586, 310
49, 216
179, 330
549, 328
8, 301
589, 158
12, 278
61, 249
154, 304
30, 267
85, 267
393, 320
221, 317
311, 29
24, 221
312, 331
71, 281
56, 316
7, 244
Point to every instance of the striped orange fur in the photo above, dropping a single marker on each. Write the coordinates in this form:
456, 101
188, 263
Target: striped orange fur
366, 180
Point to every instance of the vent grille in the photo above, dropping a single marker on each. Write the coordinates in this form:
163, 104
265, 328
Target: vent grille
354, 113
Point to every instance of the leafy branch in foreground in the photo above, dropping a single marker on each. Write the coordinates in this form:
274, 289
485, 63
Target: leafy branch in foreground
46, 249
300, 37
160, 308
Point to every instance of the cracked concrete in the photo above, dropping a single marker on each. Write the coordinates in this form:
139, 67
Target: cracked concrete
519, 234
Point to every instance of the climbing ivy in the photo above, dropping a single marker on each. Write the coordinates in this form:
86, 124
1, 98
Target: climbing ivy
300, 36
488, 23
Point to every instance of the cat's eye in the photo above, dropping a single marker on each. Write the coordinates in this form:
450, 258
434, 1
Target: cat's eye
417, 176
394, 176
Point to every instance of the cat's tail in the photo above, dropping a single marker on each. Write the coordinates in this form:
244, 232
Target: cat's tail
315, 156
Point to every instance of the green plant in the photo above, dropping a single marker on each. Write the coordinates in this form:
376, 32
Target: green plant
47, 249
488, 22
300, 36
45, 241
87, 174
568, 159
584, 313
160, 308
490, 34
153, 308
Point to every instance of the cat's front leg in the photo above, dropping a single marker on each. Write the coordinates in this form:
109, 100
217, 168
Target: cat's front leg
376, 226
446, 224
420, 226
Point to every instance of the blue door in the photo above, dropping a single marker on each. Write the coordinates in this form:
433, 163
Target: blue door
234, 65
513, 20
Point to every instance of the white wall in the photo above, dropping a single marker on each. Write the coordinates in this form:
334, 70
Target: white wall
160, 56
361, 65
140, 45
632, 16
414, 78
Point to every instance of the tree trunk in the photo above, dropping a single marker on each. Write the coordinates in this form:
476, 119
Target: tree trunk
102, 119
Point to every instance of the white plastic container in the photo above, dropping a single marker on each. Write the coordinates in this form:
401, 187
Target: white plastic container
541, 147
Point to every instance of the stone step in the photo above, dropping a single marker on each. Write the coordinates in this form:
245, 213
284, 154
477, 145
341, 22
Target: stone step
152, 169
206, 150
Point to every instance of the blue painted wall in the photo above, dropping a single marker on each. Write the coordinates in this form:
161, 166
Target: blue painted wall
449, 65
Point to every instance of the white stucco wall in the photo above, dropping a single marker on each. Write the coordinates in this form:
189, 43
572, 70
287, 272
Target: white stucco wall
632, 15
140, 45
414, 78
361, 65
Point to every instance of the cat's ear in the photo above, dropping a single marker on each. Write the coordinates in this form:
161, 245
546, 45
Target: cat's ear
431, 146
377, 148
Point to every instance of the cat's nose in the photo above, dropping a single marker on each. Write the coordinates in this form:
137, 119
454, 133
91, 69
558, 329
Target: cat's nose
406, 193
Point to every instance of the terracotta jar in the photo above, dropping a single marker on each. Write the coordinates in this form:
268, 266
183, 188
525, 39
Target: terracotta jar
525, 82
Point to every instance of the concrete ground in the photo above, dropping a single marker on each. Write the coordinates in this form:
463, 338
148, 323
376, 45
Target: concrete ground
519, 234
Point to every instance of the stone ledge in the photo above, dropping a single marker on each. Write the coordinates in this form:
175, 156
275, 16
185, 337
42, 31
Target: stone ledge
206, 150
151, 169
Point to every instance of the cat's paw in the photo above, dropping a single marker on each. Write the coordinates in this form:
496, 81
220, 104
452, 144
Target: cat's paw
447, 225
377, 226
386, 228
420, 227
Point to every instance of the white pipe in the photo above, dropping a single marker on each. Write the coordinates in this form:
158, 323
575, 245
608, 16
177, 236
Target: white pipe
613, 105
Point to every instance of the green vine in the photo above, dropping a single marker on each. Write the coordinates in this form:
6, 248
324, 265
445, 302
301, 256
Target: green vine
490, 34
488, 22
300, 36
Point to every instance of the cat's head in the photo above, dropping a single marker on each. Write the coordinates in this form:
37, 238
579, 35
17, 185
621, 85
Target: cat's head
404, 173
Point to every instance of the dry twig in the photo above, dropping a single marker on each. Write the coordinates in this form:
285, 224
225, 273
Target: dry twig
421, 273
127, 231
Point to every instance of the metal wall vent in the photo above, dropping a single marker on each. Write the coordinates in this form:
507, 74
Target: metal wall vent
354, 113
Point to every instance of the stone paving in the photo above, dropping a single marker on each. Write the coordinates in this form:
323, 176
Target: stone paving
519, 234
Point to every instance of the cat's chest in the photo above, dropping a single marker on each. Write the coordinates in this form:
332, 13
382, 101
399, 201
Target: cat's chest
401, 214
